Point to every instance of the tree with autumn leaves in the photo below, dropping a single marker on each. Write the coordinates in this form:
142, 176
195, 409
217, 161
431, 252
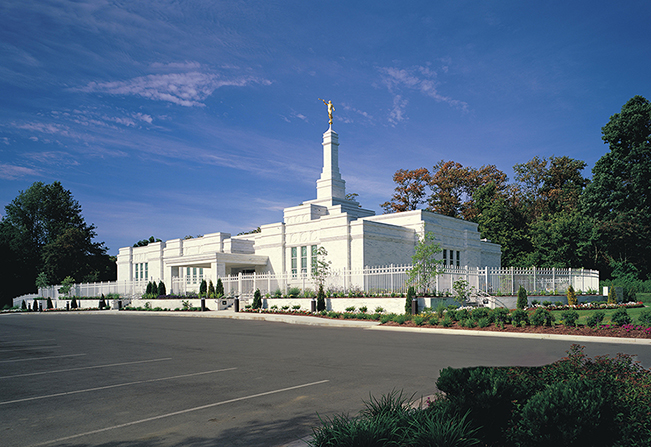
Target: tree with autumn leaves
551, 215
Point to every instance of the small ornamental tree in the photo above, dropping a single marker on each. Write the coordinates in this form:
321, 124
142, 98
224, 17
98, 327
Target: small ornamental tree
211, 289
35, 306
219, 288
320, 299
320, 266
411, 294
148, 290
571, 296
257, 299
612, 295
203, 288
23, 306
49, 303
66, 285
462, 290
73, 305
41, 281
522, 298
154, 290
161, 288
425, 266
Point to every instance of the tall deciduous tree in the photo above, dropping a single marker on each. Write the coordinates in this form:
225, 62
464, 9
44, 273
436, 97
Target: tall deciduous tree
619, 196
409, 192
43, 230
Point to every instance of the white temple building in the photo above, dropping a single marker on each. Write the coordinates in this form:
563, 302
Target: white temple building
354, 238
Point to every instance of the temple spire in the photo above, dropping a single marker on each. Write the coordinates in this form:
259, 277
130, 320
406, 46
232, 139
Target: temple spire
330, 185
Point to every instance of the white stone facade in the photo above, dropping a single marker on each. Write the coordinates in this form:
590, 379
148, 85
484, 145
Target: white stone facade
353, 237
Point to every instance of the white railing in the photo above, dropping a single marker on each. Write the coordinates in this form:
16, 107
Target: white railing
382, 280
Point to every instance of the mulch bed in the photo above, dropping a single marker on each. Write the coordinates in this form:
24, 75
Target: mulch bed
623, 332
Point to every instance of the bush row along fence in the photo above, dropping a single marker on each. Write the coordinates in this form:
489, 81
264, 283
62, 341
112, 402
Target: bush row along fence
371, 280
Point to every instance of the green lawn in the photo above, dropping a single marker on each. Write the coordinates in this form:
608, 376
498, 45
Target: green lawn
583, 314
645, 298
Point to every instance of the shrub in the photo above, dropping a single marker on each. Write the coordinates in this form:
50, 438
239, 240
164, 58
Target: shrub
350, 309
320, 299
484, 322
386, 318
203, 288
481, 312
522, 302
620, 317
293, 292
148, 289
546, 303
434, 321
569, 317
363, 309
211, 289
411, 294
49, 303
277, 293
400, 319
23, 306
447, 321
452, 314
572, 300
612, 296
520, 317
573, 413
418, 320
500, 315
645, 317
379, 310
257, 299
219, 288
595, 318
542, 317
440, 310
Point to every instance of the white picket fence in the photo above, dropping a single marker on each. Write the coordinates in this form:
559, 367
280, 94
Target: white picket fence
382, 280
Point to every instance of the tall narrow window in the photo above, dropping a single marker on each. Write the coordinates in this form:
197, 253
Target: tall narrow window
194, 274
187, 275
136, 269
445, 256
304, 259
146, 270
294, 261
458, 259
313, 260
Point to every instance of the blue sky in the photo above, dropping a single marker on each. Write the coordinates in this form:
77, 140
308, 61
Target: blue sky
185, 118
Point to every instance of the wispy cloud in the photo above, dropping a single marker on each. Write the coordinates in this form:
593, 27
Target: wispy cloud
184, 89
12, 172
419, 78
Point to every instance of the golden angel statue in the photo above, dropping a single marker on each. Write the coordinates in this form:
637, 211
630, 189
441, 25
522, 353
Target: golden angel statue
331, 109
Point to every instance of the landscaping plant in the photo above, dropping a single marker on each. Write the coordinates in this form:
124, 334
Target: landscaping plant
542, 317
620, 317
569, 317
411, 294
572, 300
257, 299
522, 302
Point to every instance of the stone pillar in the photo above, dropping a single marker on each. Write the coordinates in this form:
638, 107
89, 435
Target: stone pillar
330, 185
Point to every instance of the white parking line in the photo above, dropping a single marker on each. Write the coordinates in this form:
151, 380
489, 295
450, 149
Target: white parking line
25, 348
176, 413
84, 367
42, 358
47, 396
24, 341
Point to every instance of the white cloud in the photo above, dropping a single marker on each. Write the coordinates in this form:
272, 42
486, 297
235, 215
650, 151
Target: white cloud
12, 172
185, 89
5, 140
417, 78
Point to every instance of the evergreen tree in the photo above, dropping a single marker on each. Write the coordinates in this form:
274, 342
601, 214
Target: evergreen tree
522, 302
154, 289
23, 306
211, 289
203, 288
73, 305
49, 303
571, 296
411, 294
219, 288
320, 299
257, 299
161, 288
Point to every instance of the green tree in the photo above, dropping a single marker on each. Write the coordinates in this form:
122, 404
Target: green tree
257, 299
145, 242
161, 288
462, 289
41, 281
571, 296
219, 288
211, 289
619, 196
38, 228
320, 299
203, 288
320, 266
66, 285
425, 265
523, 301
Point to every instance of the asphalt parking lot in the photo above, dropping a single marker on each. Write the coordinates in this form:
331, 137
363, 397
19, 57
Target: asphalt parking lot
119, 379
